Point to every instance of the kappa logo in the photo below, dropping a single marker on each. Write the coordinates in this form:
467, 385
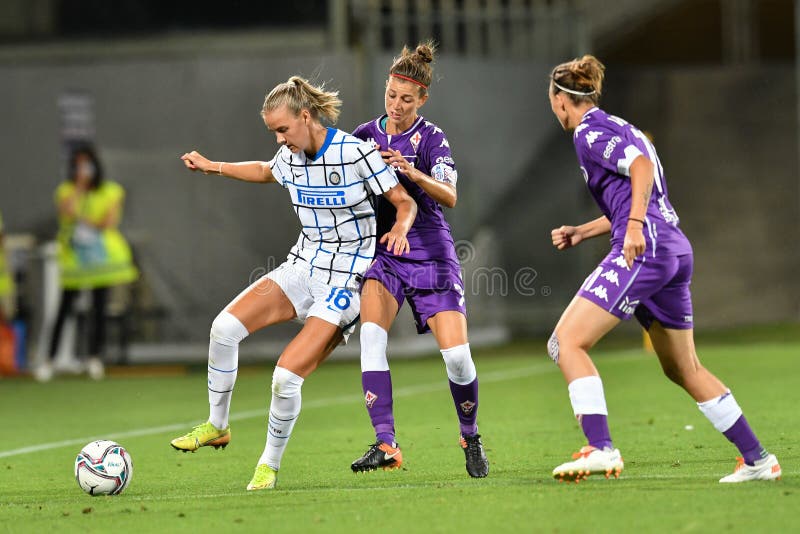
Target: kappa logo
436, 129
415, 139
460, 292
628, 306
445, 143
580, 128
591, 137
600, 292
612, 276
370, 398
619, 261
335, 178
467, 406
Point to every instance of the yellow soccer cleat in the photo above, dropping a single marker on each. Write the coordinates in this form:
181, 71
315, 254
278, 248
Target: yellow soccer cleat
205, 435
264, 478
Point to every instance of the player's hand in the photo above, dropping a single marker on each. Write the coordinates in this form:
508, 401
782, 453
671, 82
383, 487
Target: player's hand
566, 237
395, 159
396, 240
197, 162
634, 244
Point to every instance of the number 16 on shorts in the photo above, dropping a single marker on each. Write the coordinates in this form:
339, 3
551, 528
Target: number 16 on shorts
339, 299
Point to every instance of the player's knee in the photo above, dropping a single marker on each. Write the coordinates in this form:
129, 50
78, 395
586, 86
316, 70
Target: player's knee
373, 348
228, 330
285, 383
459, 364
553, 347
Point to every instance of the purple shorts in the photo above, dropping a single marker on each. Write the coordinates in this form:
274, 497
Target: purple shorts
653, 289
429, 286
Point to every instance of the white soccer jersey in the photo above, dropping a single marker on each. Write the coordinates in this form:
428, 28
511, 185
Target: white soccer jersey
331, 194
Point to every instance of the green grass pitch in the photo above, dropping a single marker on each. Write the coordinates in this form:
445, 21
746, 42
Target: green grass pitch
673, 456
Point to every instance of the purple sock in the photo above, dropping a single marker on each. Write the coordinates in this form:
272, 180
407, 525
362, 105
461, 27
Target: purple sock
377, 386
741, 435
595, 428
466, 400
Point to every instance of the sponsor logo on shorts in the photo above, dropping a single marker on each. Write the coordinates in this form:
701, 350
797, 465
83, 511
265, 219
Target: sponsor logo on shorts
628, 306
688, 318
619, 261
600, 292
320, 198
467, 406
370, 398
612, 276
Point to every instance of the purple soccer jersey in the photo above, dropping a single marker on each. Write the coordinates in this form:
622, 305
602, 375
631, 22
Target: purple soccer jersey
606, 146
425, 147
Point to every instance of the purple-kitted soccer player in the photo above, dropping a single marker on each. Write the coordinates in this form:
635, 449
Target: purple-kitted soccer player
646, 274
429, 278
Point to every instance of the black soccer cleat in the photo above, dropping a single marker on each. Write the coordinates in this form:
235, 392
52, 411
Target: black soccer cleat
379, 455
477, 464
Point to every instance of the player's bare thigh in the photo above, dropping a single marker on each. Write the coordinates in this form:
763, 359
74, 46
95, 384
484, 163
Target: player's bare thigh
262, 304
378, 305
309, 348
581, 325
449, 328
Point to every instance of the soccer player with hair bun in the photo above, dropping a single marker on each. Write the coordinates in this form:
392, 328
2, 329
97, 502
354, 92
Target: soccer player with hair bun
646, 275
429, 278
331, 177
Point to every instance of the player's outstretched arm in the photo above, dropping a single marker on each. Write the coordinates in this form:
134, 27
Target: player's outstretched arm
395, 238
247, 171
569, 236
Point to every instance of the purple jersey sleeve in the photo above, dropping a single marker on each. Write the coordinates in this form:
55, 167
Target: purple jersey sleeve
436, 158
607, 149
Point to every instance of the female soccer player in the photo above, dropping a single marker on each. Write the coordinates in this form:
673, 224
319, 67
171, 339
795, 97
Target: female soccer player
429, 277
646, 274
330, 176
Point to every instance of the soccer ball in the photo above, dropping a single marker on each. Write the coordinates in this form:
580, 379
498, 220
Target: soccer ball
103, 468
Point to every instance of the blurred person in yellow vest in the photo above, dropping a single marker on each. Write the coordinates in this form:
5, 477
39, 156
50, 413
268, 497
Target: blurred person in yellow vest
92, 253
7, 365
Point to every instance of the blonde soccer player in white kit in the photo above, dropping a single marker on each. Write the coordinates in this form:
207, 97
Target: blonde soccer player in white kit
330, 176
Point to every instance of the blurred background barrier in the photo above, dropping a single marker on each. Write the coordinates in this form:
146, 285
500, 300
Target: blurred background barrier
713, 81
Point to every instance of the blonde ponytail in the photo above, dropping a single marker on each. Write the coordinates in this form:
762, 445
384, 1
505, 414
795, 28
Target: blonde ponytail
298, 93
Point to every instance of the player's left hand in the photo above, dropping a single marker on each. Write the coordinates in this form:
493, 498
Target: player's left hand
395, 159
634, 244
396, 241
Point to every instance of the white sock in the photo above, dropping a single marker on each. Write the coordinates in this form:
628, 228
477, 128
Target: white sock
223, 361
722, 411
283, 413
374, 340
459, 364
587, 396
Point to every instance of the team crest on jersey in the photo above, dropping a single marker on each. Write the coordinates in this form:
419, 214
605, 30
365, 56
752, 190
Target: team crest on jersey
467, 406
370, 398
334, 178
415, 139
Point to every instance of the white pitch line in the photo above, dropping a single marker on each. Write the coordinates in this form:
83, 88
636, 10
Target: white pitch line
493, 376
